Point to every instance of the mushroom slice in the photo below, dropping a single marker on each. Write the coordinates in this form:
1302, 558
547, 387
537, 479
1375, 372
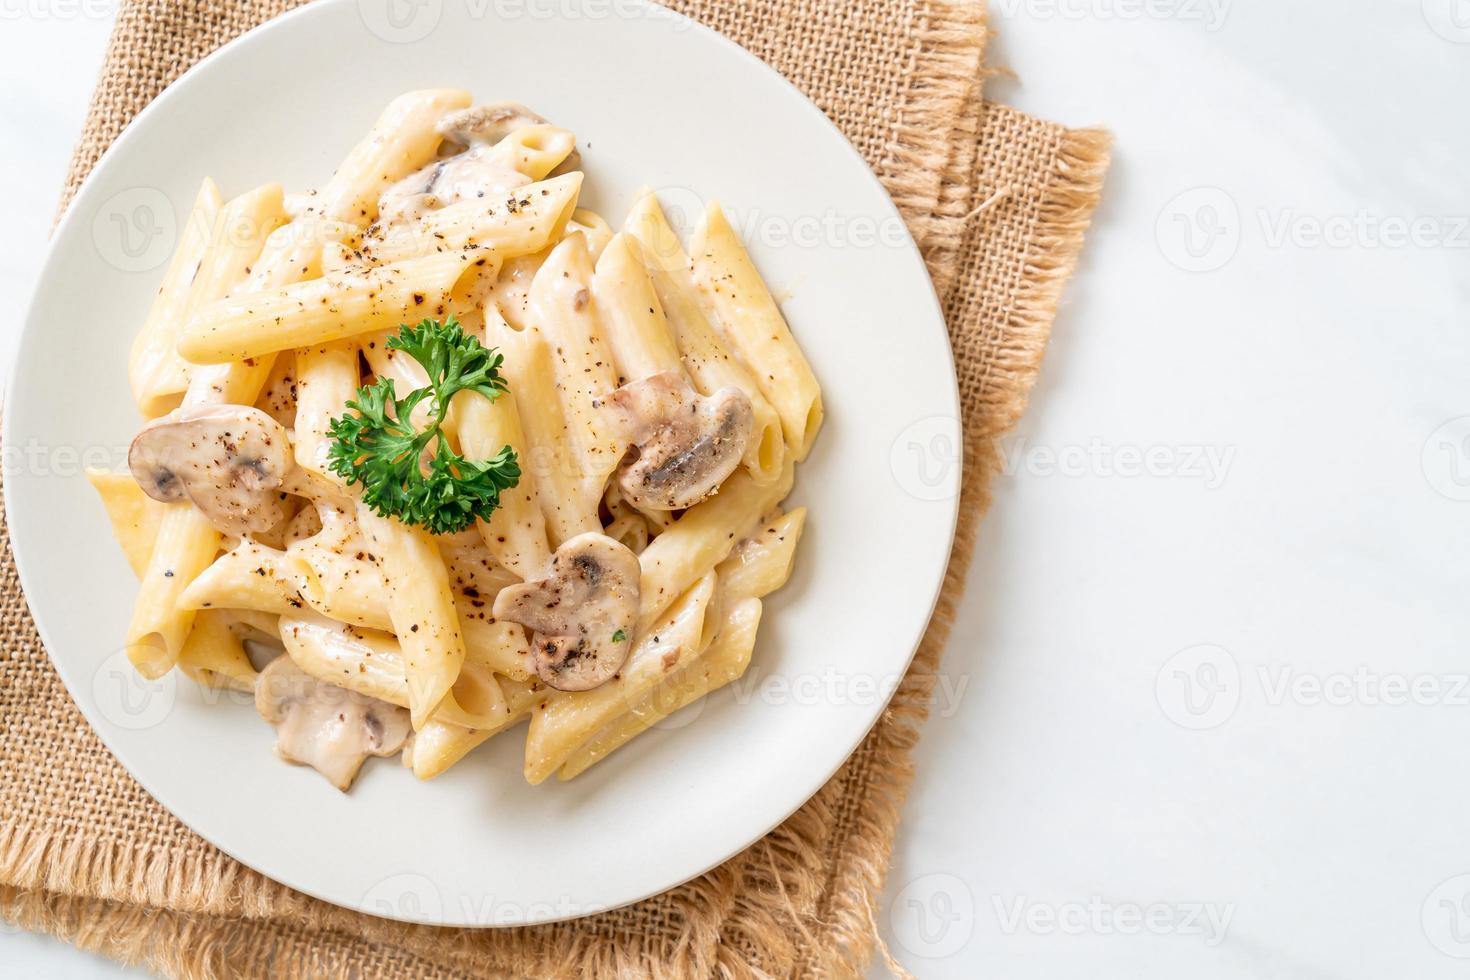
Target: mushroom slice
582, 613
229, 460
684, 444
469, 175
487, 124
329, 728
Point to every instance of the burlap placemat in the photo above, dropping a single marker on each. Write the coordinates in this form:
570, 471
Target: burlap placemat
998, 202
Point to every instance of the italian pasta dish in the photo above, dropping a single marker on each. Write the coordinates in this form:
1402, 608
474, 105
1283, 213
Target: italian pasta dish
431, 450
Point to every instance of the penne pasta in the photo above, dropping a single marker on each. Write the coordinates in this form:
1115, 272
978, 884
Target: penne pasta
758, 565
724, 661
185, 545
439, 745
525, 221
134, 515
372, 664
549, 459
328, 309
562, 311
516, 533
158, 376
637, 331
248, 576
706, 360
702, 538
563, 722
215, 657
594, 228
599, 452
421, 608
756, 329
326, 380
534, 151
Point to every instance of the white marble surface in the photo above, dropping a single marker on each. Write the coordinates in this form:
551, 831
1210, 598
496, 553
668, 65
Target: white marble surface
1204, 708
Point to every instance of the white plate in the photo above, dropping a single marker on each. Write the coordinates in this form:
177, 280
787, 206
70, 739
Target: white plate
653, 99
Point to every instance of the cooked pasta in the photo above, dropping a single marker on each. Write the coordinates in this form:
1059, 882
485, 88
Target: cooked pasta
458, 452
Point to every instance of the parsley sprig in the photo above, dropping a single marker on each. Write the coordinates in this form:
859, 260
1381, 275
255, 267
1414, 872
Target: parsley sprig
380, 448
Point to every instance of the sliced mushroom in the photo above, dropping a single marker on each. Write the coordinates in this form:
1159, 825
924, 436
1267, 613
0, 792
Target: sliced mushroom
465, 176
466, 169
684, 444
487, 124
582, 613
229, 460
329, 728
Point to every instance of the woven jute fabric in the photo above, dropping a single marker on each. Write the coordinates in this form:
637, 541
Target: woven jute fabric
998, 202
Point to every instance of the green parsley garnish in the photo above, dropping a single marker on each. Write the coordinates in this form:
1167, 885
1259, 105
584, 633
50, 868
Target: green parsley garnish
380, 448
619, 636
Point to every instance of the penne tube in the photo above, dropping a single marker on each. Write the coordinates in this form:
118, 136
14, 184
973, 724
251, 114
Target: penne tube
563, 721
562, 311
492, 643
214, 656
348, 588
403, 140
278, 396
515, 534
439, 745
328, 309
472, 568
326, 379
134, 515
726, 660
761, 562
706, 360
548, 458
185, 545
420, 606
246, 224
186, 541
248, 576
525, 220
756, 329
594, 228
702, 538
534, 151
758, 565
637, 331
511, 294
372, 664
339, 573
307, 523
157, 374
253, 624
